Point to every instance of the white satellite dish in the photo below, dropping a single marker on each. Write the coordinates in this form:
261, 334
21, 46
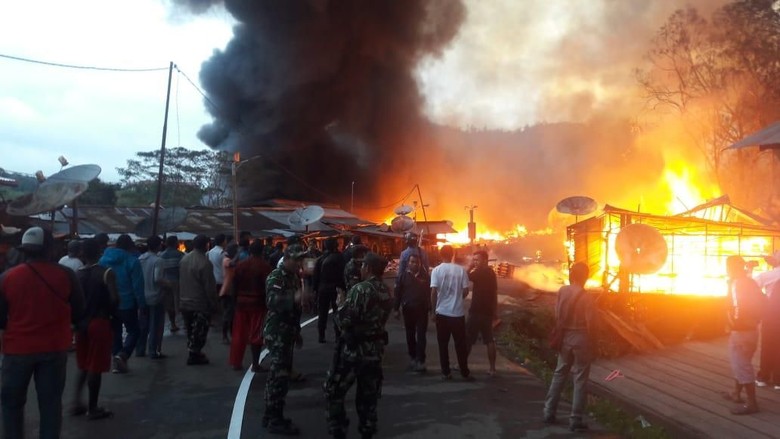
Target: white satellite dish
402, 224
641, 249
403, 209
57, 190
577, 205
304, 216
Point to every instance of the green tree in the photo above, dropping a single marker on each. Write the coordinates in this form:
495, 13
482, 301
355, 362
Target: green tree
190, 177
722, 78
100, 193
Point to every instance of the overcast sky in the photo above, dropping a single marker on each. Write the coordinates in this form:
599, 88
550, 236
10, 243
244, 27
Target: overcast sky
512, 64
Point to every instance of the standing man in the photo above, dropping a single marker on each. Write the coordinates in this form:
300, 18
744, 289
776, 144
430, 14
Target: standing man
769, 371
282, 330
362, 319
130, 284
215, 256
171, 258
352, 271
449, 286
574, 314
73, 259
327, 281
151, 265
484, 303
746, 304
411, 293
198, 298
93, 342
249, 293
39, 301
413, 248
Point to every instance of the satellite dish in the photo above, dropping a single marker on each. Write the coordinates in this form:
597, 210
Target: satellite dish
403, 209
304, 216
81, 173
57, 190
641, 249
577, 205
167, 221
402, 224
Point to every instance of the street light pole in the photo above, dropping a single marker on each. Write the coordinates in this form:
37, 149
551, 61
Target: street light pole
235, 164
472, 225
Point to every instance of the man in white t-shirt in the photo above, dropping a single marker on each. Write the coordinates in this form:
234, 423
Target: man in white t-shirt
72, 259
215, 256
769, 281
449, 286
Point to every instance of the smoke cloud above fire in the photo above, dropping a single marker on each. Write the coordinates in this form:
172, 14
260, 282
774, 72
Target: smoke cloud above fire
507, 105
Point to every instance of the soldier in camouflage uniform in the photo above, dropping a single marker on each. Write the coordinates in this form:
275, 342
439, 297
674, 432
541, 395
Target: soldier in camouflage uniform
282, 330
359, 353
352, 274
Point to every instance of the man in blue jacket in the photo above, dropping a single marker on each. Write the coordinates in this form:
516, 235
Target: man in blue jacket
130, 285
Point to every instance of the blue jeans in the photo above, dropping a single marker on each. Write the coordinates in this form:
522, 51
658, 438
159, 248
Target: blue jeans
129, 319
152, 324
49, 372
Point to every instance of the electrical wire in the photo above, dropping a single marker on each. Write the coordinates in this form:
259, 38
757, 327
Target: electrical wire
392, 204
74, 66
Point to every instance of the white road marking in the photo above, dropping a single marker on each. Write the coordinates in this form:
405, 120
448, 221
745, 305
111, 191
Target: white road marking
237, 418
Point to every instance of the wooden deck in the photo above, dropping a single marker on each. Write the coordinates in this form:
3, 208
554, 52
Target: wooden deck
680, 387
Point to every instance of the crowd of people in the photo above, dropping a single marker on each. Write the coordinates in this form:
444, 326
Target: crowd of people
108, 302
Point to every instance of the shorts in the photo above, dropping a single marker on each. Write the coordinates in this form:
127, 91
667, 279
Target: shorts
479, 325
742, 347
93, 347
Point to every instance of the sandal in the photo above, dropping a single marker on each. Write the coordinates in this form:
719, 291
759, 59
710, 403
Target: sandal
99, 413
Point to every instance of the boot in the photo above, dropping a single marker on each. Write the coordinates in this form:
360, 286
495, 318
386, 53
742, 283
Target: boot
736, 396
751, 406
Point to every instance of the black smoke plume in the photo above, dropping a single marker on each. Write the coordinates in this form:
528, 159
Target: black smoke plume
323, 90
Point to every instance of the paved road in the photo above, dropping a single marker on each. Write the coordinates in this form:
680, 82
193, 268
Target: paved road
167, 399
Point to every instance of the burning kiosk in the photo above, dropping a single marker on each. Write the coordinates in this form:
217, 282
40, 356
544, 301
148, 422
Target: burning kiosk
697, 243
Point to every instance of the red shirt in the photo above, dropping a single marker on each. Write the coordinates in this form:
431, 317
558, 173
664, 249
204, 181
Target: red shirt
37, 317
249, 282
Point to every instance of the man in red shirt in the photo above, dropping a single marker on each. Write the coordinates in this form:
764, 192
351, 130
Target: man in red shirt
39, 301
249, 291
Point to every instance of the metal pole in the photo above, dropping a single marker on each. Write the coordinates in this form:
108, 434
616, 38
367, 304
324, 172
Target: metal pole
162, 154
352, 205
235, 200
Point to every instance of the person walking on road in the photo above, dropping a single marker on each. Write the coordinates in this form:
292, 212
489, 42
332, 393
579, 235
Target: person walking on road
449, 286
197, 298
328, 280
39, 301
281, 331
249, 293
484, 303
769, 370
171, 258
93, 342
226, 297
574, 314
411, 297
358, 356
132, 300
154, 323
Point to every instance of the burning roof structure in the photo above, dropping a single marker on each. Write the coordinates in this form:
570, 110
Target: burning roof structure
691, 252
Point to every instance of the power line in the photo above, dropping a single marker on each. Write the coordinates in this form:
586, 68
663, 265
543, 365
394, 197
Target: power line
73, 66
390, 205
202, 93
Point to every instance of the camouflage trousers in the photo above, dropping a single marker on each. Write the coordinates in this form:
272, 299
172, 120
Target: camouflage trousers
277, 384
197, 325
369, 388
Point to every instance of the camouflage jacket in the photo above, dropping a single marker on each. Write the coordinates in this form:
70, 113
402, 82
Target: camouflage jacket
283, 321
362, 320
352, 273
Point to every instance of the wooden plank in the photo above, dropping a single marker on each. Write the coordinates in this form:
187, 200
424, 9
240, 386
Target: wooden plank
679, 411
646, 395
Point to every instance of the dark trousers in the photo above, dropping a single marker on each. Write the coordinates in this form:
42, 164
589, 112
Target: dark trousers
151, 324
228, 304
769, 370
456, 327
326, 300
416, 325
129, 319
49, 372
197, 325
